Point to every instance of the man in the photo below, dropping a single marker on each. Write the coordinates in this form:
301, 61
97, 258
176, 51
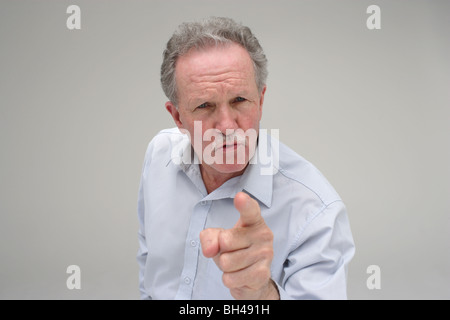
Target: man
214, 222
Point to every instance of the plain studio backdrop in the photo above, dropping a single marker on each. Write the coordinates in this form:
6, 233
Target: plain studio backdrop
370, 108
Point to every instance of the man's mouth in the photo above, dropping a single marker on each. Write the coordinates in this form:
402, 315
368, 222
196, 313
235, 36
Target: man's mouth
229, 142
232, 145
226, 147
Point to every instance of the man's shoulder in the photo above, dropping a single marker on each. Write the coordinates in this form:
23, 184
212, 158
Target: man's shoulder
165, 144
167, 135
166, 139
300, 173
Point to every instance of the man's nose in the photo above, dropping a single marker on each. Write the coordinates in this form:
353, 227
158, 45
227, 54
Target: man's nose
226, 118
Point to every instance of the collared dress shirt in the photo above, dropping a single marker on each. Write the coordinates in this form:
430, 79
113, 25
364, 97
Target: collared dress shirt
312, 242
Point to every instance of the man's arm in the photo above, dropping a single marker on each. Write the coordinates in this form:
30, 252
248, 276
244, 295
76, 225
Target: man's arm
142, 251
317, 267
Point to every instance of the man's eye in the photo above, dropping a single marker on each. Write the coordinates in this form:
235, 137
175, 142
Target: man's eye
239, 99
202, 106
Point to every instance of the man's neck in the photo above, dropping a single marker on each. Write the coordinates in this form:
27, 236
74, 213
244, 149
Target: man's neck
214, 179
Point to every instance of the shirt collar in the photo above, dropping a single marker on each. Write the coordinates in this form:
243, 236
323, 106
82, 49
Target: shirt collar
258, 177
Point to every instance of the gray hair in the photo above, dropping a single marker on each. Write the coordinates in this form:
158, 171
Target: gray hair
209, 32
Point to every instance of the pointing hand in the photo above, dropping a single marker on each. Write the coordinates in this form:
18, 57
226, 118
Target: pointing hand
243, 253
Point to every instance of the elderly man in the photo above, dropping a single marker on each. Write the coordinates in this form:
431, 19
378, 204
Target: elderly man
214, 222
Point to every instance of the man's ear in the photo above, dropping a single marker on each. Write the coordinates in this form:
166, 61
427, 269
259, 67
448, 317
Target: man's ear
261, 101
174, 113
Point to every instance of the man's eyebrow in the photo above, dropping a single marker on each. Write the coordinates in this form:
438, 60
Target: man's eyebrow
242, 93
200, 99
196, 101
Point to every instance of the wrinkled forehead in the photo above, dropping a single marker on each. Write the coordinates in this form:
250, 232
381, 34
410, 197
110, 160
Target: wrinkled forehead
214, 64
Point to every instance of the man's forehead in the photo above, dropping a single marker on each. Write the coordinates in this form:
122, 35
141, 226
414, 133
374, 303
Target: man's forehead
214, 61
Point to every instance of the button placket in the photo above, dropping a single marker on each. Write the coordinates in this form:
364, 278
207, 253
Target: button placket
192, 252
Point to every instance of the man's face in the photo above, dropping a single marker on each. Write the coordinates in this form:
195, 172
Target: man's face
217, 89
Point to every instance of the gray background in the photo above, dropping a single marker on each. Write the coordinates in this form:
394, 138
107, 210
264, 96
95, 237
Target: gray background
370, 109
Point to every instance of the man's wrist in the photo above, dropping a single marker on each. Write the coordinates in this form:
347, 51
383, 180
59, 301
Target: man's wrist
272, 292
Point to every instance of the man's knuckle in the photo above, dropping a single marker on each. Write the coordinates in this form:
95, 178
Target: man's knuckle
267, 234
228, 280
225, 240
224, 262
267, 252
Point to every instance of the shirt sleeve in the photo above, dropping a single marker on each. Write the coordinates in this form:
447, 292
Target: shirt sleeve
317, 267
142, 251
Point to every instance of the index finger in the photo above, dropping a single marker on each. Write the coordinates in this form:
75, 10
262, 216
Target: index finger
249, 210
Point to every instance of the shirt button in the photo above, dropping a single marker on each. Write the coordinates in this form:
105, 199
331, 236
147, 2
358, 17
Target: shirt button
193, 243
187, 280
203, 203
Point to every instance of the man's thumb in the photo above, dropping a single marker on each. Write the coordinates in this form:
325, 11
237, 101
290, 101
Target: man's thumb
250, 212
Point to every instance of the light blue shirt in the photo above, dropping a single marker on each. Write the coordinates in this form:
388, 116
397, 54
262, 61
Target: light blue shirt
312, 242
